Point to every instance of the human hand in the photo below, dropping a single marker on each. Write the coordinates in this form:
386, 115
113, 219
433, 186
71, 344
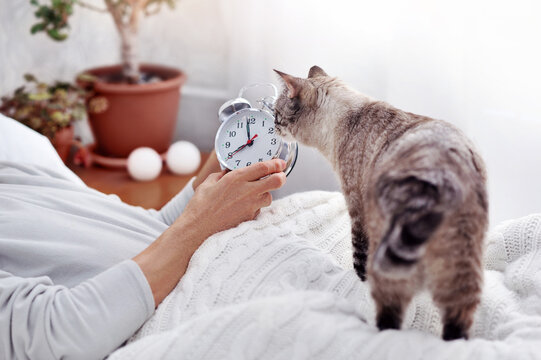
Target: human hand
225, 200
220, 202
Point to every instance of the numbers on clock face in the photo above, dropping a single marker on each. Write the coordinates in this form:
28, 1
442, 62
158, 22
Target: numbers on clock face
248, 137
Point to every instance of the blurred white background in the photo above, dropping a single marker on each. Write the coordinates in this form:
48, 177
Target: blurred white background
473, 63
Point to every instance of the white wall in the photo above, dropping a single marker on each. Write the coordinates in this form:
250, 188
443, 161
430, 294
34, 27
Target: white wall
473, 63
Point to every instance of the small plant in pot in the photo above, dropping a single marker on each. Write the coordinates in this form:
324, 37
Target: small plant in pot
50, 109
131, 105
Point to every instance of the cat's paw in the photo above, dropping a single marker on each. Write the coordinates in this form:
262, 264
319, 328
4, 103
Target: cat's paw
454, 331
389, 318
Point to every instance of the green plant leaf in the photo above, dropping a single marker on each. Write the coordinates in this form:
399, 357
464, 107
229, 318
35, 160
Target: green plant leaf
38, 27
34, 2
60, 117
56, 35
52, 16
39, 96
42, 11
30, 78
19, 91
87, 77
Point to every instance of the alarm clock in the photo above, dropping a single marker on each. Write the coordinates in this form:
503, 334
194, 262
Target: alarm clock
247, 135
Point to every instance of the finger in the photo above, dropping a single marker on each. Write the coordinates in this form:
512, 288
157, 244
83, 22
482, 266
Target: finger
256, 214
261, 169
272, 182
265, 199
215, 177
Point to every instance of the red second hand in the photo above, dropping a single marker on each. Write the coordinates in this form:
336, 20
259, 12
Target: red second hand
242, 147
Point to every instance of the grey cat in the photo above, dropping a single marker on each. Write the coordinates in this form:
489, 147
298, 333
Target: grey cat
416, 193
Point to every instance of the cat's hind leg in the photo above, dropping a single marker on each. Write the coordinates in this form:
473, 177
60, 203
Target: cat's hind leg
455, 276
392, 297
458, 318
457, 303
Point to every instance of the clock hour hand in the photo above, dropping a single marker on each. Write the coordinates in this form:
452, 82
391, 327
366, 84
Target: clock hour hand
248, 131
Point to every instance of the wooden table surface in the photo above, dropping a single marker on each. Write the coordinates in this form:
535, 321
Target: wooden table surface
150, 194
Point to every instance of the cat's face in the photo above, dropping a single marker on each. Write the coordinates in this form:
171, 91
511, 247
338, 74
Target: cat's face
301, 108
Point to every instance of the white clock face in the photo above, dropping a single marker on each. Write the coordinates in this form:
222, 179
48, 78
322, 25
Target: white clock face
246, 138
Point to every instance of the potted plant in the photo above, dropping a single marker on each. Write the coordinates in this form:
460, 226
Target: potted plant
50, 109
131, 105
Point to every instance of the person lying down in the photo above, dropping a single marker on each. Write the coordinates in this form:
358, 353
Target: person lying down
81, 271
217, 273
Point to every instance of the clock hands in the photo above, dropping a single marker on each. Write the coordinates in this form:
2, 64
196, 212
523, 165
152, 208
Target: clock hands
248, 131
248, 143
248, 127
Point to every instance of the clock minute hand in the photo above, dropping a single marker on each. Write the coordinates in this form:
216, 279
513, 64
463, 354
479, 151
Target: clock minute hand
249, 142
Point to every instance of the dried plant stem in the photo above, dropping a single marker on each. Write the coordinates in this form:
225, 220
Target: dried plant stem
153, 11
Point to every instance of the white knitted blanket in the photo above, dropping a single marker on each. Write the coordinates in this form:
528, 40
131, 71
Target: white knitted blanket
282, 287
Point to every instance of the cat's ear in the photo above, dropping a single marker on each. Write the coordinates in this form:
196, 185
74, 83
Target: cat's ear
294, 85
316, 71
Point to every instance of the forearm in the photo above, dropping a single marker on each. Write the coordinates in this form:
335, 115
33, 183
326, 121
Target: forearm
41, 320
165, 261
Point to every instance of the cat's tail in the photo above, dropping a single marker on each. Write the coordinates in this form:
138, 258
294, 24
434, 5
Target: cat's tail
416, 209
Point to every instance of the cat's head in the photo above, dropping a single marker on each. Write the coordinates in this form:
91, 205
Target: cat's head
303, 109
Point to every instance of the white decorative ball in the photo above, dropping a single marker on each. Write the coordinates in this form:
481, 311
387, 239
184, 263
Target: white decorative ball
183, 157
144, 164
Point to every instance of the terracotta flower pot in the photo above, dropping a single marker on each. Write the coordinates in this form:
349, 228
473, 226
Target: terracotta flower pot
62, 141
124, 116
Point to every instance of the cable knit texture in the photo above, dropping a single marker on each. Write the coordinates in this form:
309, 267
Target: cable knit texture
282, 287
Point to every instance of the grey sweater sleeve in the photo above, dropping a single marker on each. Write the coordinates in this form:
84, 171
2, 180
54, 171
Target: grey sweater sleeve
40, 320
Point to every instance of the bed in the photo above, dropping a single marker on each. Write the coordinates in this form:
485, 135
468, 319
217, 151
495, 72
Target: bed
282, 287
